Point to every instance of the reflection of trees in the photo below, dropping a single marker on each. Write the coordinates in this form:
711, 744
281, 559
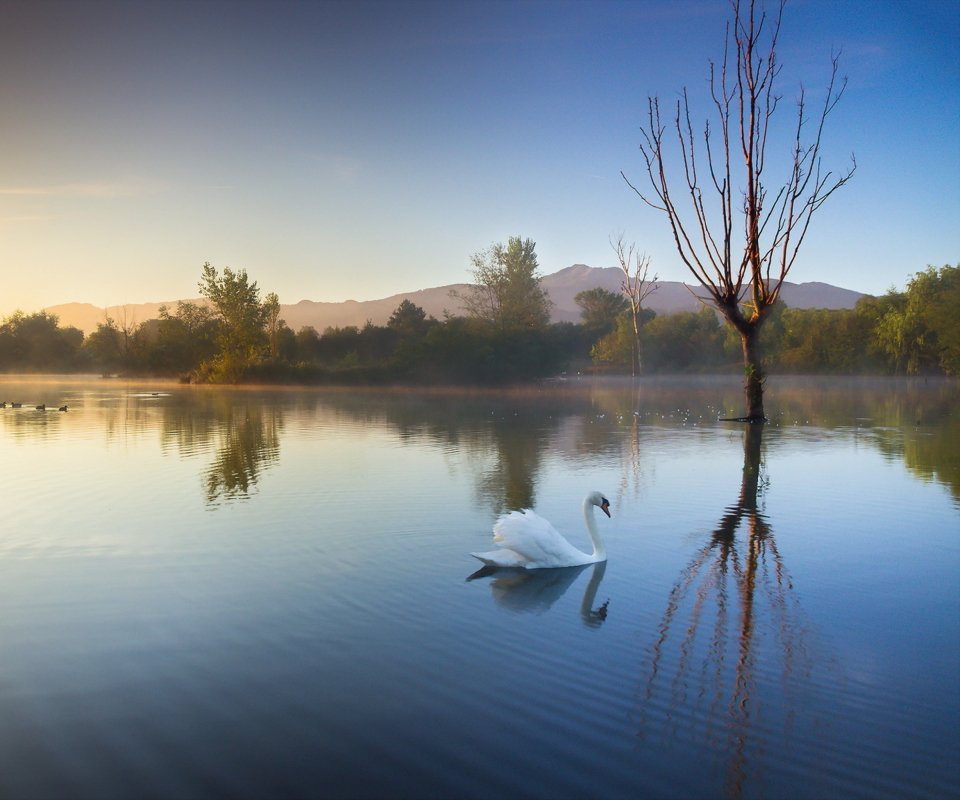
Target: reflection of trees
731, 608
509, 484
926, 435
248, 444
916, 420
503, 435
536, 590
190, 422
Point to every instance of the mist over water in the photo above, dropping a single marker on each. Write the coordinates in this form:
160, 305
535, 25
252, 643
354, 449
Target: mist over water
258, 592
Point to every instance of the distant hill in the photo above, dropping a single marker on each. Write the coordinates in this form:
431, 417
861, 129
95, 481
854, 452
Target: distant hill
562, 286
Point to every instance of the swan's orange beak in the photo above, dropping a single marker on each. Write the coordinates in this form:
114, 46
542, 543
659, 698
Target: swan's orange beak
605, 507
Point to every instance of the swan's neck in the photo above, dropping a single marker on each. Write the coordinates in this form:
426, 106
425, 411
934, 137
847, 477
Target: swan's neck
599, 548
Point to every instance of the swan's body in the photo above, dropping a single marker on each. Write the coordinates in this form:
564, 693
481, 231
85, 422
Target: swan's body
526, 540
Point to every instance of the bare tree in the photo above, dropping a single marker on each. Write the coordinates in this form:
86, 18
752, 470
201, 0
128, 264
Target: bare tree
131, 335
636, 286
742, 280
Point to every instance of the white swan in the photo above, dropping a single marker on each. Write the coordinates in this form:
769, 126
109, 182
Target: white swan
528, 541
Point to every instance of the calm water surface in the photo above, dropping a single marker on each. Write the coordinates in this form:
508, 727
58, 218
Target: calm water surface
251, 593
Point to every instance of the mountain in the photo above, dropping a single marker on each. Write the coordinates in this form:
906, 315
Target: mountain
673, 296
562, 287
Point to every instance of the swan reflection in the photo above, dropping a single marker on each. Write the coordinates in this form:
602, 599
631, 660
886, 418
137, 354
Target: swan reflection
536, 590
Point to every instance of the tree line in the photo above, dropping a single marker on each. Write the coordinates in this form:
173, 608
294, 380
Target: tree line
504, 336
910, 332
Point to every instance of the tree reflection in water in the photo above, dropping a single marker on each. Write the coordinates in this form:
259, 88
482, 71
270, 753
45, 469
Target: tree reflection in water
249, 443
732, 608
518, 442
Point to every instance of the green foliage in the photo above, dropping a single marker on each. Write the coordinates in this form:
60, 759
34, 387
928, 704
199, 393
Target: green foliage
118, 346
35, 342
683, 341
820, 341
410, 321
307, 342
184, 339
920, 329
273, 324
371, 345
915, 331
506, 291
240, 338
600, 309
469, 351
615, 349
104, 346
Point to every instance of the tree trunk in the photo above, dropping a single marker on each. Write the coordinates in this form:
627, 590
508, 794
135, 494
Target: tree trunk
637, 353
753, 371
750, 485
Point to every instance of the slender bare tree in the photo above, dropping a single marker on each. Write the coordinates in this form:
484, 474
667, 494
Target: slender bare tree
635, 286
742, 279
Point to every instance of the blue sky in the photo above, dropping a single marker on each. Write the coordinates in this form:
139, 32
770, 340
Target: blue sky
361, 149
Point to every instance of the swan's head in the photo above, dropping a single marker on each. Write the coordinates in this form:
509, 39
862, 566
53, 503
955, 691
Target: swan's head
597, 499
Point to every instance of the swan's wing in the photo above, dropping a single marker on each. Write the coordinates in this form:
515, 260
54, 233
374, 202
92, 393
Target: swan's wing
535, 539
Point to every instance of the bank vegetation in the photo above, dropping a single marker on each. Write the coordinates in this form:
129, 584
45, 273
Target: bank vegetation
504, 338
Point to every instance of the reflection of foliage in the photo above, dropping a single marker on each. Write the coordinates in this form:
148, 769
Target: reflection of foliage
916, 420
732, 609
249, 443
510, 484
503, 434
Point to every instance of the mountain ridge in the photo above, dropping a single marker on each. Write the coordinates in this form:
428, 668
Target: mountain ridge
561, 286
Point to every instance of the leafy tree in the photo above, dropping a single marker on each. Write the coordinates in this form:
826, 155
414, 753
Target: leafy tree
471, 351
620, 347
409, 320
506, 291
600, 308
920, 329
943, 313
273, 324
335, 343
241, 337
37, 342
617, 347
308, 343
118, 346
818, 340
287, 347
186, 338
351, 346
685, 340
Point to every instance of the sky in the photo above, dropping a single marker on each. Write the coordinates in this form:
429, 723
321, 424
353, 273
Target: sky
356, 150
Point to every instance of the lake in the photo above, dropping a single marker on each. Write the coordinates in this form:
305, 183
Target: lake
263, 592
